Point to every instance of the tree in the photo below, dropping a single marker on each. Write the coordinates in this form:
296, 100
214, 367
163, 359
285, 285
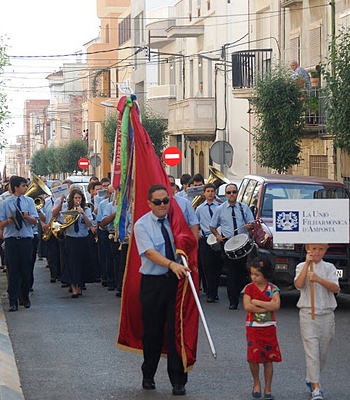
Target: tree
54, 160
278, 105
73, 151
152, 122
110, 127
4, 113
336, 73
39, 163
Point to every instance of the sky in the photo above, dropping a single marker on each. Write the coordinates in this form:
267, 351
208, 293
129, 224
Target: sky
40, 28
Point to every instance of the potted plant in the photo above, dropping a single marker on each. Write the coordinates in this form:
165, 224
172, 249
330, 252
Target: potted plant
315, 79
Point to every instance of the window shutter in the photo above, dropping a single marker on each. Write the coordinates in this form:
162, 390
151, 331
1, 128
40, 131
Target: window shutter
315, 45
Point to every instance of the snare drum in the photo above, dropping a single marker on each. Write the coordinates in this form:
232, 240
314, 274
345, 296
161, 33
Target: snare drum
238, 246
211, 241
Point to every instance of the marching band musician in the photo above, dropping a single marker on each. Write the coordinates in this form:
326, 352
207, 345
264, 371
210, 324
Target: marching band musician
57, 207
105, 251
76, 244
211, 260
234, 218
114, 242
18, 215
53, 250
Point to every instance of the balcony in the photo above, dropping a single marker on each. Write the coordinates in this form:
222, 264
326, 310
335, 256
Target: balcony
193, 117
246, 65
161, 91
290, 3
158, 22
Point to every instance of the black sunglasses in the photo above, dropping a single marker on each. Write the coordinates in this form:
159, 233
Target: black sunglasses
232, 192
172, 183
158, 202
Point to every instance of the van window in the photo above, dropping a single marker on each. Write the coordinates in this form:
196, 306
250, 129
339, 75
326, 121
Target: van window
247, 195
282, 191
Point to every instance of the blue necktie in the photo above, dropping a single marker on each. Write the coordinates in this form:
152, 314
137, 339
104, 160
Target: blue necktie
168, 247
234, 221
210, 210
76, 225
19, 216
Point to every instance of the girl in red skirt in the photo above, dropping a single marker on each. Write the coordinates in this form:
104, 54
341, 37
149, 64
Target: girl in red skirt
261, 299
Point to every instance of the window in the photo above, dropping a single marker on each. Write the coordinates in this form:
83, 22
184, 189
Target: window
124, 30
106, 33
319, 166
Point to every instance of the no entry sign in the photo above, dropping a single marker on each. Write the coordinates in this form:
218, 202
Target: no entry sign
83, 163
172, 156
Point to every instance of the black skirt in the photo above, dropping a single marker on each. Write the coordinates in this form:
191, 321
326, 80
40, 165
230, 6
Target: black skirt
79, 269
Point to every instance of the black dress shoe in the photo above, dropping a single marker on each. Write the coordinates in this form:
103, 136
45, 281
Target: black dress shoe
75, 296
14, 307
232, 307
210, 300
119, 293
52, 280
148, 384
26, 304
179, 389
104, 283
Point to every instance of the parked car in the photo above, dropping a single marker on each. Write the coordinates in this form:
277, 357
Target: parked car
259, 191
220, 191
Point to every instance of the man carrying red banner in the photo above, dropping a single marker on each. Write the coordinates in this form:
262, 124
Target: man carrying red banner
145, 170
160, 274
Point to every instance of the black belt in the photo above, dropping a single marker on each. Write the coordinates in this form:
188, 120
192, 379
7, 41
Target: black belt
19, 237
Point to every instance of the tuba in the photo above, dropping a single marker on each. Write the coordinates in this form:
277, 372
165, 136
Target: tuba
36, 188
217, 178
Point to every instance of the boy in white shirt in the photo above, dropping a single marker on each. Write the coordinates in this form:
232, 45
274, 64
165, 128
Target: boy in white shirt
317, 334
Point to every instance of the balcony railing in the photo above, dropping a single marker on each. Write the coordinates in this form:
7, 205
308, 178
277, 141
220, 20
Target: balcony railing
246, 65
315, 116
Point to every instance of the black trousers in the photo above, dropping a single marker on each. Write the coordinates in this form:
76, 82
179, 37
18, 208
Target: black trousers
18, 258
157, 296
121, 266
212, 266
108, 266
53, 257
35, 242
237, 278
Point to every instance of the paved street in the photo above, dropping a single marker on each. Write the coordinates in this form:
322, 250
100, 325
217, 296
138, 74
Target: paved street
65, 349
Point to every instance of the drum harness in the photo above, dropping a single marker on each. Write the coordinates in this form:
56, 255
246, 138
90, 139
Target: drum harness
243, 216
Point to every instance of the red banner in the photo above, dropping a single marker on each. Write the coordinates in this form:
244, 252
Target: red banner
149, 171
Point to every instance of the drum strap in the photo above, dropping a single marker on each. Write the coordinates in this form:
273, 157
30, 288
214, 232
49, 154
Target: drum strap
243, 216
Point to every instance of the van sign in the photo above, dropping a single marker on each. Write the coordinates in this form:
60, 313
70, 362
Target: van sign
311, 221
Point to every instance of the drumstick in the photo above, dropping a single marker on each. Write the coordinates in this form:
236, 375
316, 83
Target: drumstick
312, 293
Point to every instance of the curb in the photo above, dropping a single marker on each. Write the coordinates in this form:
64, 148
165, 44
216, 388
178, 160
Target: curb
10, 384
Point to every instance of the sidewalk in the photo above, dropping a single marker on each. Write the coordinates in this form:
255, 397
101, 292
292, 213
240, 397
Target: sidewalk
10, 385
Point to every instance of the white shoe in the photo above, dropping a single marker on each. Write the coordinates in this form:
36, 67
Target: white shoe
317, 394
